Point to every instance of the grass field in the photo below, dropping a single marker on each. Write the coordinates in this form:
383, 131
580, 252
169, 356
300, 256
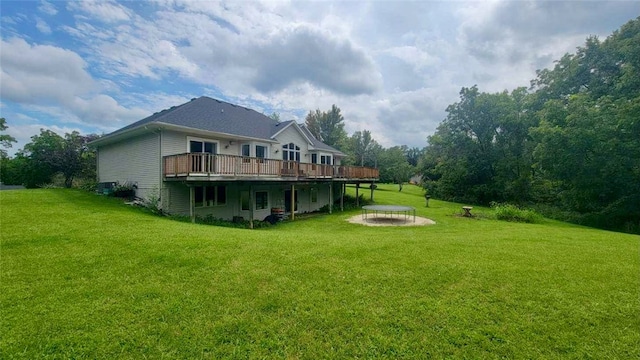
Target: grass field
84, 276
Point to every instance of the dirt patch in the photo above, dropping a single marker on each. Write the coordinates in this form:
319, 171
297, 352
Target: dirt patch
372, 220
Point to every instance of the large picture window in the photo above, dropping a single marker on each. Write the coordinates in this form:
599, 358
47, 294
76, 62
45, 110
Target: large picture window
210, 195
291, 152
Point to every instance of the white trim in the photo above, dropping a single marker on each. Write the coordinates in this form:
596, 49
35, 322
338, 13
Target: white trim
295, 124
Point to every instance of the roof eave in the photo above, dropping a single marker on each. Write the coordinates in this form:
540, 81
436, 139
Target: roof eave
121, 135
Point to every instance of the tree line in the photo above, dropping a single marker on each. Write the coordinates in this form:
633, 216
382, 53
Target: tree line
49, 159
568, 145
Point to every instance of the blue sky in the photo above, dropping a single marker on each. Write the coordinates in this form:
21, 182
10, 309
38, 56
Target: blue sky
392, 67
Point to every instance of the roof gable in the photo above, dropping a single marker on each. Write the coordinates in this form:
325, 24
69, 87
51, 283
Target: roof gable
291, 123
207, 114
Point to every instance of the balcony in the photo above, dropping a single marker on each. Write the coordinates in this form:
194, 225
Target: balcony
196, 165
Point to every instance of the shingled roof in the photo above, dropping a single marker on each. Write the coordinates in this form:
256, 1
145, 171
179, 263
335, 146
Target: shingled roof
205, 113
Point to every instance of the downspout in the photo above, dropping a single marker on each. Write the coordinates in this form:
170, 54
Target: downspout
160, 182
97, 165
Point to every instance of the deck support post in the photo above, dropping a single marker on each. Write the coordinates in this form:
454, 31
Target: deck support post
373, 186
357, 196
343, 188
251, 205
293, 202
192, 205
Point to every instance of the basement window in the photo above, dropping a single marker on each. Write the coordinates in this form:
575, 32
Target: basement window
206, 196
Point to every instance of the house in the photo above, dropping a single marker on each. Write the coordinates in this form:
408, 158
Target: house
210, 157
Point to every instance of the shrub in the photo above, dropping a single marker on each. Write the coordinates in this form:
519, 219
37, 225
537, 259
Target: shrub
126, 191
509, 212
212, 220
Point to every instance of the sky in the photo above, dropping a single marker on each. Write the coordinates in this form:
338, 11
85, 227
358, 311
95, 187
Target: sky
392, 67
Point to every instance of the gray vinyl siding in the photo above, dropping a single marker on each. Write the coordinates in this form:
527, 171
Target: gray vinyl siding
176, 198
135, 161
173, 143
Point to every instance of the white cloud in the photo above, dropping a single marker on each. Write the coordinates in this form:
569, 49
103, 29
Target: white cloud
47, 8
33, 73
104, 10
42, 26
54, 81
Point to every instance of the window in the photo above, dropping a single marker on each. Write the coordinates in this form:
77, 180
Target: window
314, 158
314, 195
244, 201
261, 151
210, 196
325, 159
246, 152
200, 160
262, 200
197, 146
291, 152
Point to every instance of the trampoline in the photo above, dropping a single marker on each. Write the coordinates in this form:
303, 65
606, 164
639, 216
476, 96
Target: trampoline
388, 212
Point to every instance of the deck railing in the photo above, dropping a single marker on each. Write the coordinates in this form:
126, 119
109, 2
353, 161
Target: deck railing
191, 164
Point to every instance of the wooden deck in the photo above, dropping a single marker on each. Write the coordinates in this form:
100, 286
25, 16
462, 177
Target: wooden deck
191, 165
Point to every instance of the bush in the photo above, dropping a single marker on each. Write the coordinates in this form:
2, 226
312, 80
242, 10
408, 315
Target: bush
212, 220
349, 203
509, 212
125, 191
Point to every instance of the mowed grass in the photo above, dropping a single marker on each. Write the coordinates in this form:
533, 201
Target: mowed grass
84, 276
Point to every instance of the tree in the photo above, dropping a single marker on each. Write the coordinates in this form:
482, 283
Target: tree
413, 155
5, 139
589, 150
394, 167
313, 122
275, 116
328, 127
48, 154
361, 146
482, 151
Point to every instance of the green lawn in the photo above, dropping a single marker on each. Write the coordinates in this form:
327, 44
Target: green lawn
84, 276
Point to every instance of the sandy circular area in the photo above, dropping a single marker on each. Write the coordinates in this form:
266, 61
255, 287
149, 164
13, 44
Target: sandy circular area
379, 220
